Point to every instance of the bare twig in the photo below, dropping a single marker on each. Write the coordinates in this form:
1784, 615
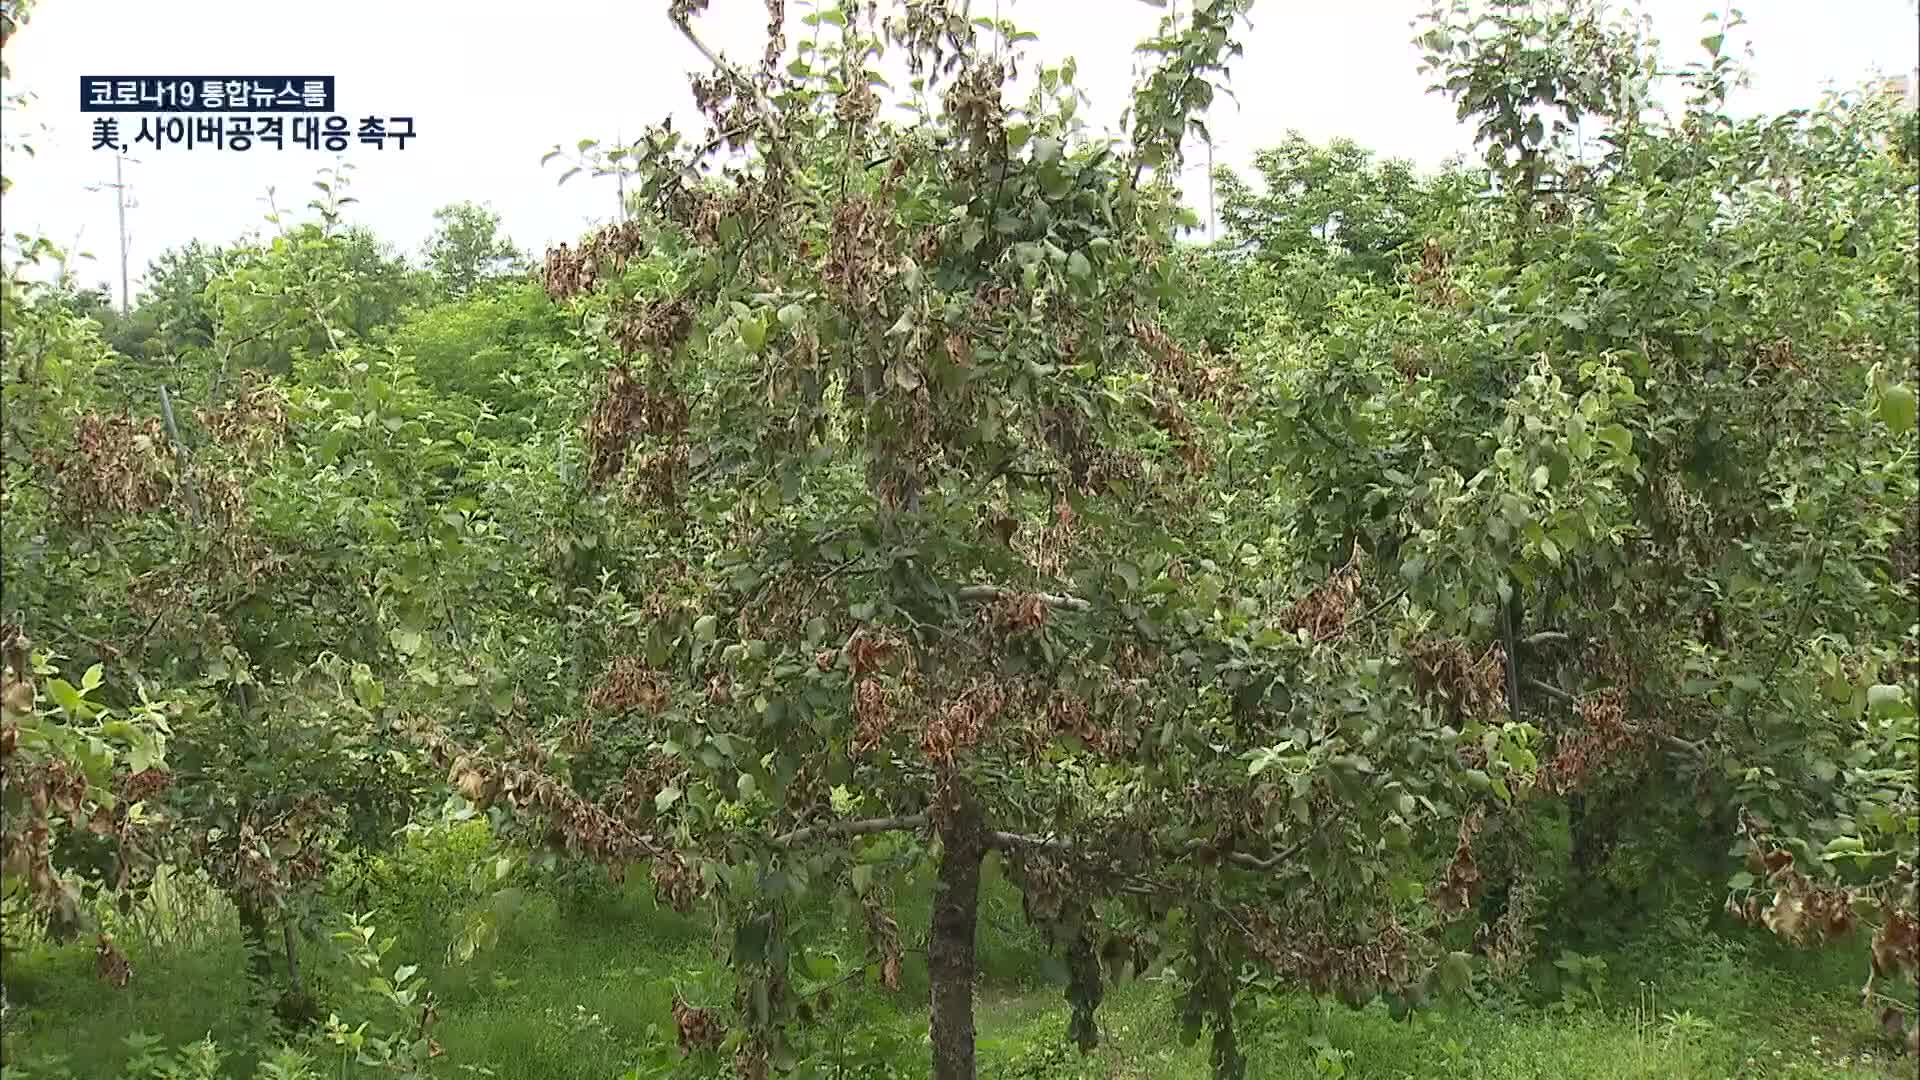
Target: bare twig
1806, 601
140, 643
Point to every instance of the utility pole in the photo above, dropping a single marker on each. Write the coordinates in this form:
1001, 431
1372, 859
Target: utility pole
1212, 219
120, 200
119, 187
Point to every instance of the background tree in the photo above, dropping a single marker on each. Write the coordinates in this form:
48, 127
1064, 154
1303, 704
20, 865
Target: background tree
1334, 199
466, 250
173, 308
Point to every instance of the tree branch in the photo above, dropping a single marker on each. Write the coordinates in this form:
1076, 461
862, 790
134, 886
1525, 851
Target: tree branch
1006, 841
1672, 742
1553, 691
860, 827
1254, 862
979, 593
107, 650
836, 571
1374, 610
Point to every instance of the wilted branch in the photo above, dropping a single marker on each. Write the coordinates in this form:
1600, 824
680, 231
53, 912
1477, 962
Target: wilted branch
768, 114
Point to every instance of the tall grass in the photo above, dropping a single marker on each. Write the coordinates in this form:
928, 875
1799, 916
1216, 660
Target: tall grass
579, 981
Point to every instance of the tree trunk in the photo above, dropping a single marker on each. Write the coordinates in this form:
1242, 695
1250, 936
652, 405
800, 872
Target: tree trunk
253, 927
293, 1007
64, 922
290, 938
1084, 991
950, 948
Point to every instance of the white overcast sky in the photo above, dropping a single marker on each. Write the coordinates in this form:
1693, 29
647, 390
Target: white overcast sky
493, 85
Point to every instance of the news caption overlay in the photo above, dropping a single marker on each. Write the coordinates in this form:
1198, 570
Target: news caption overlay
231, 112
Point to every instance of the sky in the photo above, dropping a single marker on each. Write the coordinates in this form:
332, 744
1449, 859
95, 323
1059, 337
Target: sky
492, 86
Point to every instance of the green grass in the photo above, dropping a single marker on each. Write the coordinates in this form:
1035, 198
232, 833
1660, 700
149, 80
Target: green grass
580, 991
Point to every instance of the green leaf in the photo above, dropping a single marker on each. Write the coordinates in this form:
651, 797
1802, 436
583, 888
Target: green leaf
666, 798
1884, 699
1617, 437
143, 755
704, 627
753, 333
1741, 880
65, 696
1078, 266
407, 641
367, 689
1551, 549
91, 679
1897, 407
1456, 972
748, 785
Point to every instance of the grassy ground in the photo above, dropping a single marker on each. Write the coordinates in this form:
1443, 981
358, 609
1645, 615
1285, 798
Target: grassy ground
573, 992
